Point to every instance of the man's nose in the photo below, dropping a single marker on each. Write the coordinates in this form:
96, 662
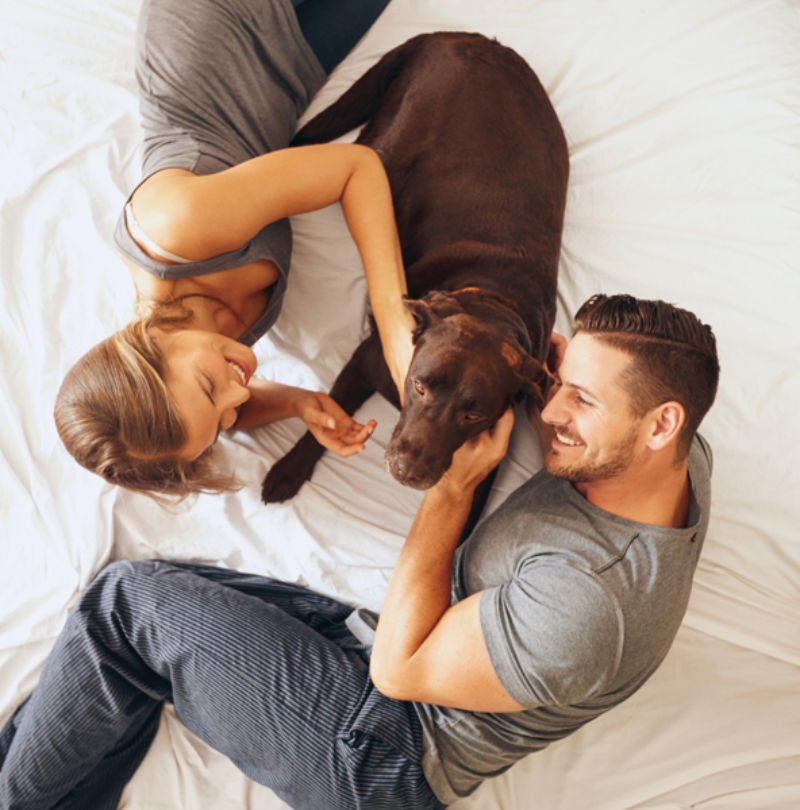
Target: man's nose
552, 412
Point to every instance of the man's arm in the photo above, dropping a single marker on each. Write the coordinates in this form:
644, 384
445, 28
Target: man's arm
425, 649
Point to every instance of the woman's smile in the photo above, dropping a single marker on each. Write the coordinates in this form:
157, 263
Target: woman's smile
242, 370
207, 375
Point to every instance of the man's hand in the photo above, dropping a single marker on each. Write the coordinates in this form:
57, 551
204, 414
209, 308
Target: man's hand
330, 425
477, 457
555, 356
555, 353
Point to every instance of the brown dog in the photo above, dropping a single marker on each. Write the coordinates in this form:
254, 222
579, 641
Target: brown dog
478, 167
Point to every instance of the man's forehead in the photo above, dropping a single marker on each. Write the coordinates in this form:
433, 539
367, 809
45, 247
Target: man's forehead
592, 363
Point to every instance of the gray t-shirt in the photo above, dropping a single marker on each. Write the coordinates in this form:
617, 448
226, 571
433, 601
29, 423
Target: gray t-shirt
578, 609
220, 81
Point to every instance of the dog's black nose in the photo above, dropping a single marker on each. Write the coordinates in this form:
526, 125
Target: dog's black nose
411, 472
397, 466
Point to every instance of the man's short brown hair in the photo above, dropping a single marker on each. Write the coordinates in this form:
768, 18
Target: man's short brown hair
674, 354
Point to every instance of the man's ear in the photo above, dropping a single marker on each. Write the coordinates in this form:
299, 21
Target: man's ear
666, 423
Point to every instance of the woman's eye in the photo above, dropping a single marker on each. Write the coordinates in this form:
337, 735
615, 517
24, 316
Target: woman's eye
210, 388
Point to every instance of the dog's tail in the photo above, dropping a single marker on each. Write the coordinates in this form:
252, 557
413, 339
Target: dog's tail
360, 102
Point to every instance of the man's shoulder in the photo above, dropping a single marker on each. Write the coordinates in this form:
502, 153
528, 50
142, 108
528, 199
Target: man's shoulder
701, 464
702, 450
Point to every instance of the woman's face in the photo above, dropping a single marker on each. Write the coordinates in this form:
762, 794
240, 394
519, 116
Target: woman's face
207, 374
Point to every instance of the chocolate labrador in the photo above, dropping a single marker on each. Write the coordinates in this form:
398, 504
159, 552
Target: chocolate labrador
478, 165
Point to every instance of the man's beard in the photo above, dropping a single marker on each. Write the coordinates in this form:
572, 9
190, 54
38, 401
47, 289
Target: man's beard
586, 471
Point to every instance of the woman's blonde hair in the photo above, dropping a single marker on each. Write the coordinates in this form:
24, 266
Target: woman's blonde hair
117, 418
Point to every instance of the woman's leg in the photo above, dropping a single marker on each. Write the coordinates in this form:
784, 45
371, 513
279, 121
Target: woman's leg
248, 673
332, 27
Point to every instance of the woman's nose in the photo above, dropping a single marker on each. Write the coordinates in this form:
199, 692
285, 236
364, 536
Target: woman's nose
228, 419
239, 394
235, 394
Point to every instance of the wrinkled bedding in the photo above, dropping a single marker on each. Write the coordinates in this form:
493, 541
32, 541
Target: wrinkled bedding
683, 124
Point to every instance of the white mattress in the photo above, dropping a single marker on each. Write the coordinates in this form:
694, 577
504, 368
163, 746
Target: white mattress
683, 122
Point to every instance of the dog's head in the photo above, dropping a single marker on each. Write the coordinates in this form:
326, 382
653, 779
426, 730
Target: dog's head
466, 370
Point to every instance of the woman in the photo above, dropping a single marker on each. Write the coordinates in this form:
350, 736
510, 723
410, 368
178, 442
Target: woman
205, 235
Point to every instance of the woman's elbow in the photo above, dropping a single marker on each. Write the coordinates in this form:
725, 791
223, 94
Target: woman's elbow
167, 213
366, 162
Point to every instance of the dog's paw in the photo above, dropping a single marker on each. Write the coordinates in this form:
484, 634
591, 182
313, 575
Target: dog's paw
288, 474
278, 486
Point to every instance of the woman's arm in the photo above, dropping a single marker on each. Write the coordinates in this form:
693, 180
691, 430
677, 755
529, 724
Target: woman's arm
199, 216
425, 649
327, 421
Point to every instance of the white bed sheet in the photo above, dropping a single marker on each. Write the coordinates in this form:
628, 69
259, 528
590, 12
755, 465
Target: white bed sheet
683, 122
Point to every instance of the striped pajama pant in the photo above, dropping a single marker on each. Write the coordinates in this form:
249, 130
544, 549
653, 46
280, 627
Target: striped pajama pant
265, 672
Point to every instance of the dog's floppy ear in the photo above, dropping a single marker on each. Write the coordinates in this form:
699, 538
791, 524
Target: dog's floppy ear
422, 315
534, 378
444, 304
432, 307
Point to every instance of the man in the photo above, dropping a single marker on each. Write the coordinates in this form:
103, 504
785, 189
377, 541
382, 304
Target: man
559, 606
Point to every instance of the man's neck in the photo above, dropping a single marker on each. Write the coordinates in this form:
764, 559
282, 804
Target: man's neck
653, 494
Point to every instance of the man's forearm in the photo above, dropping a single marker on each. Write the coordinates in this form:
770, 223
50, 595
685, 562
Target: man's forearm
420, 587
425, 648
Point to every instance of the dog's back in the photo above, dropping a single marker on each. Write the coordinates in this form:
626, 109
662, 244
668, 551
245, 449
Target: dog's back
478, 166
477, 162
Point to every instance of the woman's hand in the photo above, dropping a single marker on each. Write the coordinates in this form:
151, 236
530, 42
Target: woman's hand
330, 425
326, 419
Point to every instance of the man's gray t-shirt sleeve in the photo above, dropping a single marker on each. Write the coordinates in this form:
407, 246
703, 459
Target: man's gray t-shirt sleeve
553, 633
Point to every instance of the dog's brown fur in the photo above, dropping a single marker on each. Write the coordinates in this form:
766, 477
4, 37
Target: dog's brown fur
478, 166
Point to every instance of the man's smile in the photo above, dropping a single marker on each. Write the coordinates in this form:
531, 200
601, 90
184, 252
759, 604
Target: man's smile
562, 439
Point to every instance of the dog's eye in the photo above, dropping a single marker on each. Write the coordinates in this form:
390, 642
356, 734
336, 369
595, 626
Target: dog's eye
473, 416
419, 387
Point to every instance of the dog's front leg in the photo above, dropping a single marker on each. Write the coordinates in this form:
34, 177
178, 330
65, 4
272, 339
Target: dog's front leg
360, 378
